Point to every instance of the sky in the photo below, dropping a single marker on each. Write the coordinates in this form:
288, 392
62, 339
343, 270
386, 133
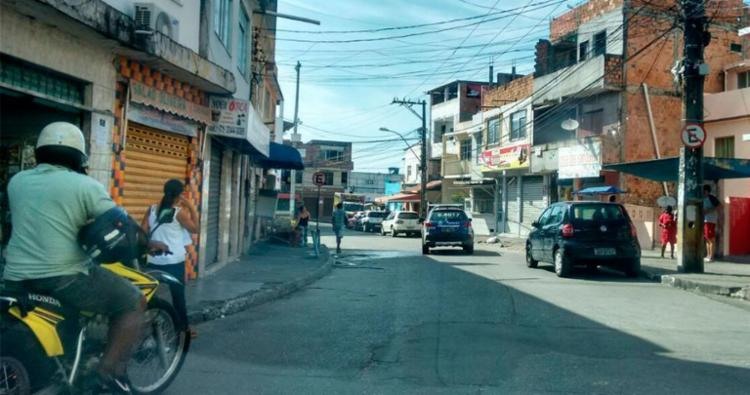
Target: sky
364, 53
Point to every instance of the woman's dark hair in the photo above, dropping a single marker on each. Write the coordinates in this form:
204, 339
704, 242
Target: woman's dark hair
172, 189
61, 156
301, 209
669, 209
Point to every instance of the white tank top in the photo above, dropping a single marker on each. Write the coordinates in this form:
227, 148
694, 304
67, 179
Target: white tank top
172, 234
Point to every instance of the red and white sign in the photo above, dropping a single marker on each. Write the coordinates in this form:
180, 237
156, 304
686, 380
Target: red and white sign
693, 135
505, 158
319, 178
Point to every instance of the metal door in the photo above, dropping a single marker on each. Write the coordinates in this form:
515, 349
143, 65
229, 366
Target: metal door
211, 246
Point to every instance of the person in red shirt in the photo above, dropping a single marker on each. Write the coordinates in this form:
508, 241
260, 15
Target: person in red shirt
668, 225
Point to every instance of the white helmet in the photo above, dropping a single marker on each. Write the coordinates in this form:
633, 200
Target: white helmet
62, 134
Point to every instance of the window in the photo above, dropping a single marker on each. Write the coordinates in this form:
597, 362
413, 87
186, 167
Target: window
545, 216
734, 47
298, 176
448, 216
370, 182
407, 215
600, 43
518, 125
344, 177
583, 51
555, 216
465, 149
222, 18
596, 212
591, 123
493, 131
408, 171
329, 177
243, 47
332, 155
743, 79
724, 147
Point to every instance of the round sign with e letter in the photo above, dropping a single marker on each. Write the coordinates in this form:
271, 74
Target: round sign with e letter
693, 135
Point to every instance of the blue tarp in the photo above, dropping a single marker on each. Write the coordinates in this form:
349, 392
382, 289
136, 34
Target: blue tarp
281, 156
667, 169
604, 190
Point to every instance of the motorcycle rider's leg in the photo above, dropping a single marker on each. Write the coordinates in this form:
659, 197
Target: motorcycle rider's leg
124, 332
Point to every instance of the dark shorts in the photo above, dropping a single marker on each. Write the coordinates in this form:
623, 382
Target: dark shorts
101, 291
709, 230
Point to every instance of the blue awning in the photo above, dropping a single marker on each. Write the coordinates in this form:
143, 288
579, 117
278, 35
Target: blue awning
667, 169
603, 190
281, 156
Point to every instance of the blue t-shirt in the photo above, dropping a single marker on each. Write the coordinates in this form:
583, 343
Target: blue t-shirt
339, 218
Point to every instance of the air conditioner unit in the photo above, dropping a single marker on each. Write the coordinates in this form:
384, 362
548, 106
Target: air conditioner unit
150, 18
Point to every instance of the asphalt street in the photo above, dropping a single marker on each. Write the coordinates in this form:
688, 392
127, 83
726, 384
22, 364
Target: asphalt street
389, 320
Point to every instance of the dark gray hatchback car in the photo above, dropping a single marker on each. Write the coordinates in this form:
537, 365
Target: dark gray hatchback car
584, 233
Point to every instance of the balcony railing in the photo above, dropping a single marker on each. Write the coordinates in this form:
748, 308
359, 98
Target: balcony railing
456, 168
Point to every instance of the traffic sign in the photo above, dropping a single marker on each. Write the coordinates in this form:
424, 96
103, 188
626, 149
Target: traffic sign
693, 135
319, 178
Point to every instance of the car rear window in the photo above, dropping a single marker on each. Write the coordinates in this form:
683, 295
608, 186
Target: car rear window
448, 215
597, 212
376, 214
408, 216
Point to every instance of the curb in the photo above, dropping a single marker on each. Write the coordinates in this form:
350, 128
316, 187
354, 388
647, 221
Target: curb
742, 293
245, 301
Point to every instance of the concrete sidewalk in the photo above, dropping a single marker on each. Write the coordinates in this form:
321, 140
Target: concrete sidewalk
269, 271
731, 279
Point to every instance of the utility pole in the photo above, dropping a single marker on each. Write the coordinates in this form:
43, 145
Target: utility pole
293, 173
690, 215
423, 151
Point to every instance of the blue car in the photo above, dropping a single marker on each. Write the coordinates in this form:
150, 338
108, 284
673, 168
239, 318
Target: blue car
447, 227
584, 233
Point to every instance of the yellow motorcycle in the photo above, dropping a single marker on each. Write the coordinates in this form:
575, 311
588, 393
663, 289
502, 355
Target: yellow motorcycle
48, 349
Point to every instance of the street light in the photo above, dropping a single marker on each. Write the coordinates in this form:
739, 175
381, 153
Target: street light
423, 180
384, 129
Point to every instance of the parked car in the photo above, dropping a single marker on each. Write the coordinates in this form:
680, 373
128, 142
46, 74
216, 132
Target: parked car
447, 226
371, 221
584, 233
353, 221
401, 222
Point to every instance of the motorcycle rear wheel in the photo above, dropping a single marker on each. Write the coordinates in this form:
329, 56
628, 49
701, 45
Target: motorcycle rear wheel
160, 355
14, 379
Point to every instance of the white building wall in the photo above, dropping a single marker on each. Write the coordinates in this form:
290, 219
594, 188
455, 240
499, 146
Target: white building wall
411, 160
187, 12
446, 110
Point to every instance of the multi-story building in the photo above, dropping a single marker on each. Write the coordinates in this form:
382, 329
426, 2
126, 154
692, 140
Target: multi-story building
726, 121
137, 86
162, 89
604, 92
373, 185
332, 158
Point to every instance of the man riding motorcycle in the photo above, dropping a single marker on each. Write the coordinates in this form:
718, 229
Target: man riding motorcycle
49, 204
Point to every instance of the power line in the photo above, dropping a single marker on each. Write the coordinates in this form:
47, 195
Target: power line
414, 34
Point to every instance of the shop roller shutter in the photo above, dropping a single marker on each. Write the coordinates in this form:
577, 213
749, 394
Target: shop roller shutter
532, 199
214, 203
152, 157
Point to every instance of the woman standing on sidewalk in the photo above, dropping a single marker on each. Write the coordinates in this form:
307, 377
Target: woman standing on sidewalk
668, 226
303, 220
175, 233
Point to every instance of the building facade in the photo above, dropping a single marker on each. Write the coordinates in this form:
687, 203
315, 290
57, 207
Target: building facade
373, 185
727, 121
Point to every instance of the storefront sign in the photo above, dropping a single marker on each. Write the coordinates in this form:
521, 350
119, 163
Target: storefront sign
505, 158
237, 118
140, 93
229, 116
161, 120
579, 161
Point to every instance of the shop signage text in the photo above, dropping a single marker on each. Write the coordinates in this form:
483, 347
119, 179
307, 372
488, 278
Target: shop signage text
579, 161
229, 116
164, 101
505, 158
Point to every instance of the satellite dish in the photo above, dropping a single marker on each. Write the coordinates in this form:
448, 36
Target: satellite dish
569, 124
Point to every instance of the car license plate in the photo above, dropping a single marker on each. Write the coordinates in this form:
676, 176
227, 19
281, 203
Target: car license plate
604, 251
448, 230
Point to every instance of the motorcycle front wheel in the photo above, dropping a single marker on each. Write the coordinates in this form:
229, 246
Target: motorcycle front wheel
159, 357
14, 379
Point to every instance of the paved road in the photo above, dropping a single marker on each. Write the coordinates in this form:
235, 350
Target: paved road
389, 320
